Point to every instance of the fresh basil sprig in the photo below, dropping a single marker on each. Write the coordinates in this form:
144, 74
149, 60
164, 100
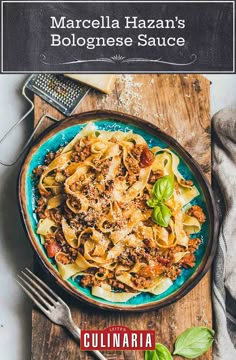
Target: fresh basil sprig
163, 188
194, 341
162, 191
161, 215
160, 353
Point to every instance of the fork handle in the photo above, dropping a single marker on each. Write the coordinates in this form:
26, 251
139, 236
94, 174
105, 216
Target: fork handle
76, 332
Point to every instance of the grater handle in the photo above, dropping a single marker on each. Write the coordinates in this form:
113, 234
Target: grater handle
19, 122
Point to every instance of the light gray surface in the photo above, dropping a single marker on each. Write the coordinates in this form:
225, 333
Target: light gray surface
15, 252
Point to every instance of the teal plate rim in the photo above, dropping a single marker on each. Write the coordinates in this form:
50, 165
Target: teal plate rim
64, 131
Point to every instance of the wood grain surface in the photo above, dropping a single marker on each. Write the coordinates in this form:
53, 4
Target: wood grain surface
179, 105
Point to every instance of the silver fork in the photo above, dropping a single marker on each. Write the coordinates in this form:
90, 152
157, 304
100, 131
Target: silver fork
51, 305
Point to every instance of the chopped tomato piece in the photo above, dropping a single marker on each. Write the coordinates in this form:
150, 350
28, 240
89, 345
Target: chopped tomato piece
52, 248
151, 271
146, 158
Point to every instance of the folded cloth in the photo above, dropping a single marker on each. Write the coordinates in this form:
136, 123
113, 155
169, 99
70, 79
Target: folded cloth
224, 271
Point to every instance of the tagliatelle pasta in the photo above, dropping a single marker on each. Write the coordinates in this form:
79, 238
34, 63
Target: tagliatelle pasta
112, 214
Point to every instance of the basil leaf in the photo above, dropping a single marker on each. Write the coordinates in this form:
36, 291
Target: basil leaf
150, 355
161, 215
152, 202
163, 188
162, 352
194, 341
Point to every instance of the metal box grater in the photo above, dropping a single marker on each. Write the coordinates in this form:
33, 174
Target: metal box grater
62, 93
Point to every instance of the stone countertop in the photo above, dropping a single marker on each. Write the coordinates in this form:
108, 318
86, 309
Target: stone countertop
16, 253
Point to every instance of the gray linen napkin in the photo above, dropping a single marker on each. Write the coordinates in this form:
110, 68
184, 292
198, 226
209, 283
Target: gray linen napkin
224, 271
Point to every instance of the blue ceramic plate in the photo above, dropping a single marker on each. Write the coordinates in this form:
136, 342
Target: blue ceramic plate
62, 134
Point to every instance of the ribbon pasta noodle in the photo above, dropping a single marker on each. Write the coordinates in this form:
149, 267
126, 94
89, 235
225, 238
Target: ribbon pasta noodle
94, 220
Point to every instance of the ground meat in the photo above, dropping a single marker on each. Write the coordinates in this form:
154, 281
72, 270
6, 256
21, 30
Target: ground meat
49, 157
73, 253
92, 270
81, 151
56, 242
104, 202
90, 218
64, 259
141, 204
141, 281
145, 196
75, 223
173, 272
39, 170
75, 157
188, 260
85, 152
155, 175
127, 258
87, 281
137, 151
56, 215
165, 261
75, 186
131, 255
132, 178
148, 242
75, 203
193, 244
70, 252
124, 206
197, 212
121, 171
90, 280
69, 214
159, 254
120, 223
101, 271
109, 186
176, 249
102, 166
116, 284
186, 182
133, 165
90, 191
60, 238
41, 205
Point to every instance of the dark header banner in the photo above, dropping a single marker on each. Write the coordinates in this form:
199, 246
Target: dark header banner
118, 36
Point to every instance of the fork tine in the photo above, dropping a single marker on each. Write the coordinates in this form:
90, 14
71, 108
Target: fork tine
40, 288
33, 298
45, 302
46, 286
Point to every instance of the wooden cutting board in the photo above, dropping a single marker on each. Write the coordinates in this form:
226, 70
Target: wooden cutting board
179, 105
